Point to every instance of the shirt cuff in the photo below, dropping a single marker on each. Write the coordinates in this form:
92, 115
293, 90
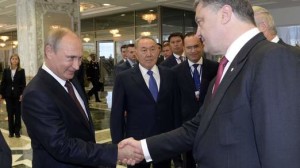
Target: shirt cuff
146, 151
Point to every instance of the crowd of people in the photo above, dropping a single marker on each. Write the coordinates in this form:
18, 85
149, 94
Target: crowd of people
169, 103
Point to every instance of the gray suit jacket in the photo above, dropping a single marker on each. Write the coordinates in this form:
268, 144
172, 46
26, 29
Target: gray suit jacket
253, 121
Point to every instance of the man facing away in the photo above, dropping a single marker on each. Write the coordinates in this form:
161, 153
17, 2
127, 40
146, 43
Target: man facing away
55, 111
250, 117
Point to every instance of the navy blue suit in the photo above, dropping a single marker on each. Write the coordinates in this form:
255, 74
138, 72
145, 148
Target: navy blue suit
253, 119
169, 62
145, 117
60, 136
5, 153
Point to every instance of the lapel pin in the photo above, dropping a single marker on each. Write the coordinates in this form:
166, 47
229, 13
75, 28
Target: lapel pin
232, 69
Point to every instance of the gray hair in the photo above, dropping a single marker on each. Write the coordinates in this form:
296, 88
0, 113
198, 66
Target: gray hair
55, 35
137, 41
262, 15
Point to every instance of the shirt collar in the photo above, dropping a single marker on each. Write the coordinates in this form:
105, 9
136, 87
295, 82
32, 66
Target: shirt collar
176, 56
200, 62
144, 71
237, 45
59, 80
275, 39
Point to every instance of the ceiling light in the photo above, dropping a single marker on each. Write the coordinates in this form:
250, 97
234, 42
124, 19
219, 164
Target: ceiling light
114, 31
15, 42
145, 33
149, 17
106, 4
117, 35
4, 38
85, 6
55, 26
2, 44
86, 39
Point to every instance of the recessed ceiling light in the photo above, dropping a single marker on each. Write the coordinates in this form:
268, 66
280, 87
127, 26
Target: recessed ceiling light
123, 14
106, 4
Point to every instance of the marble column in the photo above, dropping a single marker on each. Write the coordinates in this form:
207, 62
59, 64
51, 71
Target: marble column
34, 19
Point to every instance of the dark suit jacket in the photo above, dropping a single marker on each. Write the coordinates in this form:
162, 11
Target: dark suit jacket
5, 153
145, 117
122, 67
160, 59
18, 84
169, 62
60, 137
253, 119
189, 105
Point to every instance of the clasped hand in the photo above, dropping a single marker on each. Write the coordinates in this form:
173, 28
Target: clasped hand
130, 152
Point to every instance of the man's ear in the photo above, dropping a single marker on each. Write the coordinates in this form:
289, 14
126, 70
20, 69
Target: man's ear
226, 13
49, 51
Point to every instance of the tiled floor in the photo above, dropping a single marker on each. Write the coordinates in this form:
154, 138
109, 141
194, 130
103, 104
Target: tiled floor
21, 148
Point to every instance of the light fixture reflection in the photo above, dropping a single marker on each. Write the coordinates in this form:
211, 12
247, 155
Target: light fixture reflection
145, 33
149, 17
4, 38
114, 31
117, 35
2, 44
86, 39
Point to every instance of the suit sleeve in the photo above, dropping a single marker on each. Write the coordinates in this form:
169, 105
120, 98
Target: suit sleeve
172, 143
44, 120
275, 100
117, 118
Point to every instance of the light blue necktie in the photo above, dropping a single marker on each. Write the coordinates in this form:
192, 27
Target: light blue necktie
152, 85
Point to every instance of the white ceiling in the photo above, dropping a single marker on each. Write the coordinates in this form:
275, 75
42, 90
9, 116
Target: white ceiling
8, 7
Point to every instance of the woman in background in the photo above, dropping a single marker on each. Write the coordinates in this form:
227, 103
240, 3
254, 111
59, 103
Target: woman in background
12, 85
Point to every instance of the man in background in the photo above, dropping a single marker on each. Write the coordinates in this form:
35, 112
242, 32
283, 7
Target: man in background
146, 93
176, 43
193, 78
265, 23
130, 61
123, 54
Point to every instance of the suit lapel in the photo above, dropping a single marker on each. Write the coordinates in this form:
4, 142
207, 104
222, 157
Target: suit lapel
234, 69
187, 75
62, 93
137, 77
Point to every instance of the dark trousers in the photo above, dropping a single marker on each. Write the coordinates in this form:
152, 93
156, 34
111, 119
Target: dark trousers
162, 164
188, 160
13, 108
95, 89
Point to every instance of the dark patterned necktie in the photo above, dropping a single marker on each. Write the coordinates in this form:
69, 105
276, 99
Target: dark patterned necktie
73, 96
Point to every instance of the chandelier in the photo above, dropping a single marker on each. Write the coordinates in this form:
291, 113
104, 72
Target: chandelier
86, 39
145, 33
114, 31
149, 17
4, 38
2, 44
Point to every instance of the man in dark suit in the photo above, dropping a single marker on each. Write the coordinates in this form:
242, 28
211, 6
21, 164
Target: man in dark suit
131, 60
123, 53
149, 112
250, 119
5, 153
265, 23
193, 82
176, 43
55, 111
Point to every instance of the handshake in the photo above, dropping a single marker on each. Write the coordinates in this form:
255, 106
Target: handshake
130, 152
